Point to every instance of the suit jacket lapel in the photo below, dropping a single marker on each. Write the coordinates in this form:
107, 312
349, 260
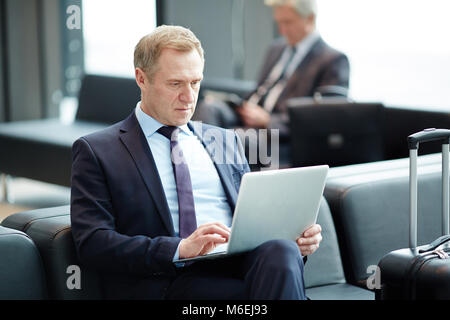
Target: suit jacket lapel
134, 140
300, 79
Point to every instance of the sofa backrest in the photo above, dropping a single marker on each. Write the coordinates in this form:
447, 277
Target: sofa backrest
336, 133
370, 207
106, 99
398, 123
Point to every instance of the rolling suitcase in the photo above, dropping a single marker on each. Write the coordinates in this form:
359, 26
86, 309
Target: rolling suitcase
420, 272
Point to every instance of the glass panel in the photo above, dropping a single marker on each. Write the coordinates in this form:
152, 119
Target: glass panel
398, 49
111, 29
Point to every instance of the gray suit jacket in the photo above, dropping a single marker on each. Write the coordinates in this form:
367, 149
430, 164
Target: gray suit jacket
322, 66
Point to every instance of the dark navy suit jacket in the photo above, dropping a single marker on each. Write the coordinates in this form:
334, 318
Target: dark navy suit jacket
120, 218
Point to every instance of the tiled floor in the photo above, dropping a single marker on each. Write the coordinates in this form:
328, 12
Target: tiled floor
25, 194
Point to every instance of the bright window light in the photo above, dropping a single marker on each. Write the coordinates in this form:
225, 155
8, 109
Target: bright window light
398, 50
111, 30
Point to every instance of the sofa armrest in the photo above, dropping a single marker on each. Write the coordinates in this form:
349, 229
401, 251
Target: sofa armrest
21, 270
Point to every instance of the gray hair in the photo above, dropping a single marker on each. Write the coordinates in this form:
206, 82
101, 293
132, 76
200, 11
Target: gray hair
304, 8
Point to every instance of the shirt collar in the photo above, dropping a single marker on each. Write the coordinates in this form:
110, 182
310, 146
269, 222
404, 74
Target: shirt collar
150, 125
306, 44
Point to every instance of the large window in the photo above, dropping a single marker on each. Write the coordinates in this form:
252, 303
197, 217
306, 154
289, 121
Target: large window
111, 29
399, 50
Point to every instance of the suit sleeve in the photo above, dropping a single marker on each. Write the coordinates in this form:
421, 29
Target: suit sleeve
336, 72
240, 154
97, 242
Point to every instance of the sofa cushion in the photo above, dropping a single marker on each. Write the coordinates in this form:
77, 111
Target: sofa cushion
66, 277
341, 291
324, 267
107, 99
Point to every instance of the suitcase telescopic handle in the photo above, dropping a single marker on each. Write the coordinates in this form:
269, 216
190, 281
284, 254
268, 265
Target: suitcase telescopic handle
430, 134
435, 244
414, 140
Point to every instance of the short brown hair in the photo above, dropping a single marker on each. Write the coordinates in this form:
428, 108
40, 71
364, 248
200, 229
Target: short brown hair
149, 48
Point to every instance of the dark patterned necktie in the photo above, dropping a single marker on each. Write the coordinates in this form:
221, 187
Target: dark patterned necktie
186, 209
269, 86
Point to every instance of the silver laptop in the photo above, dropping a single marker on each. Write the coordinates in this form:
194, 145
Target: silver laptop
272, 204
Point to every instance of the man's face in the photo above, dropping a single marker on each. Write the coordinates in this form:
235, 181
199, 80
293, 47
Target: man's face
291, 25
171, 95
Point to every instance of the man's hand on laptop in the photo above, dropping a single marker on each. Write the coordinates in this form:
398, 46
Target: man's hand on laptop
309, 241
204, 239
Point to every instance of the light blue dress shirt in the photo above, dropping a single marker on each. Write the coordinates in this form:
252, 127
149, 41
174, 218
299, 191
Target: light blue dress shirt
210, 201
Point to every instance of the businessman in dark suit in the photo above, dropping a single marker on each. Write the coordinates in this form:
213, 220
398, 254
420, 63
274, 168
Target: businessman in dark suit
156, 187
299, 64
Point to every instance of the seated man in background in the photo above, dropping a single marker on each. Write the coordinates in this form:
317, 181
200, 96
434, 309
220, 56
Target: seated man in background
147, 191
298, 65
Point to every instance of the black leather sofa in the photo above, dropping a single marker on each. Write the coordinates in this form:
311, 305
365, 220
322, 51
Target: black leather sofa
364, 215
50, 230
370, 206
341, 132
48, 142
